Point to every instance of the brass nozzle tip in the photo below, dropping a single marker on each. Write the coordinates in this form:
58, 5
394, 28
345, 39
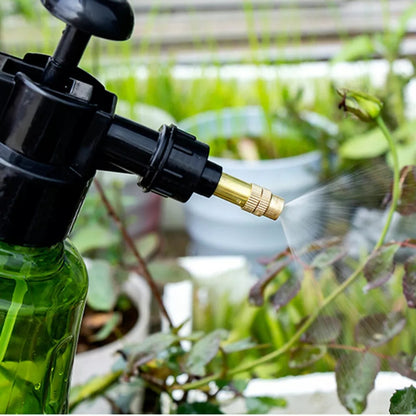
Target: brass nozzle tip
262, 202
250, 197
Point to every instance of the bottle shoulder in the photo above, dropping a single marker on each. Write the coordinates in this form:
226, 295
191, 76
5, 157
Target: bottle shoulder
37, 264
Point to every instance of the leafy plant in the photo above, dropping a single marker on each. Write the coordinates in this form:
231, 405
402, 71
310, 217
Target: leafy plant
108, 264
173, 365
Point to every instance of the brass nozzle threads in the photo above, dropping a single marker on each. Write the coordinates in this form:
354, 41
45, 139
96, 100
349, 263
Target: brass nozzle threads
250, 197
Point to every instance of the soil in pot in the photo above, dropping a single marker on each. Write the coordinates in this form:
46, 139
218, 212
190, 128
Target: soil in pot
94, 322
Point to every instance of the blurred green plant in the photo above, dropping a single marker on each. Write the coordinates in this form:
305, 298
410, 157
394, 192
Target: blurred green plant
361, 342
108, 261
388, 46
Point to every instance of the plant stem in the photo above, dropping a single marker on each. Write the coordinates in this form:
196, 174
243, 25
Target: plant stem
142, 268
396, 179
331, 297
6, 332
357, 349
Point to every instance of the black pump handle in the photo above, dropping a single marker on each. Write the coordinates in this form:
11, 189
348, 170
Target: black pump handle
108, 19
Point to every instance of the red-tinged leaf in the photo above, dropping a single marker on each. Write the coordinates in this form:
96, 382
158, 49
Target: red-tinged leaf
379, 328
286, 292
409, 282
321, 244
407, 201
306, 355
256, 296
380, 266
328, 257
355, 375
403, 364
325, 329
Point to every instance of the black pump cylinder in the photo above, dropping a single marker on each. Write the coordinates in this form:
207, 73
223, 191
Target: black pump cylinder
41, 125
40, 191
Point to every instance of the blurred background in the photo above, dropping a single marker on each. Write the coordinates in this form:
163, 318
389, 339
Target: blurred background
285, 57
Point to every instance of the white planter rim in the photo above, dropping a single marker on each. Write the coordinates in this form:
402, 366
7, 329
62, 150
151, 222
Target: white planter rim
271, 164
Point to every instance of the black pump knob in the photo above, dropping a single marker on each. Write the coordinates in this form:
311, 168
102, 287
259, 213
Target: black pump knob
108, 19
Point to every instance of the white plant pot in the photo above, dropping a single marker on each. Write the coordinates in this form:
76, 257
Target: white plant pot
218, 228
317, 394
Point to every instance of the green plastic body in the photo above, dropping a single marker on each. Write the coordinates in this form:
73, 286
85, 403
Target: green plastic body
42, 299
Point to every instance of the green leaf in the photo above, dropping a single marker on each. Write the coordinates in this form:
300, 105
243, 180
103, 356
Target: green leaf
141, 353
168, 271
240, 385
199, 408
204, 351
92, 388
262, 404
328, 257
380, 266
102, 293
238, 346
148, 244
355, 375
93, 237
364, 146
324, 329
108, 328
406, 153
358, 47
25, 8
306, 355
379, 328
403, 402
409, 282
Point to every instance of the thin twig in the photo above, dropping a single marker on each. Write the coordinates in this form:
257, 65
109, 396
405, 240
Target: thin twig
142, 268
115, 408
361, 350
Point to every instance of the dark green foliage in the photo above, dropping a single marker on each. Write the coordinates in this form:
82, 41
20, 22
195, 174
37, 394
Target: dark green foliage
403, 401
198, 408
262, 405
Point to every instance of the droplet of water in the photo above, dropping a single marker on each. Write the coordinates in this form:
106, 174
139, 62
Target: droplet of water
37, 386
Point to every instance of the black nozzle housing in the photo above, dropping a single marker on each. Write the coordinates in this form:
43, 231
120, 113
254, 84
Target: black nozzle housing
170, 162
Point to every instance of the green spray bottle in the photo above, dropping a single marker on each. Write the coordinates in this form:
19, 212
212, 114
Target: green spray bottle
57, 128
